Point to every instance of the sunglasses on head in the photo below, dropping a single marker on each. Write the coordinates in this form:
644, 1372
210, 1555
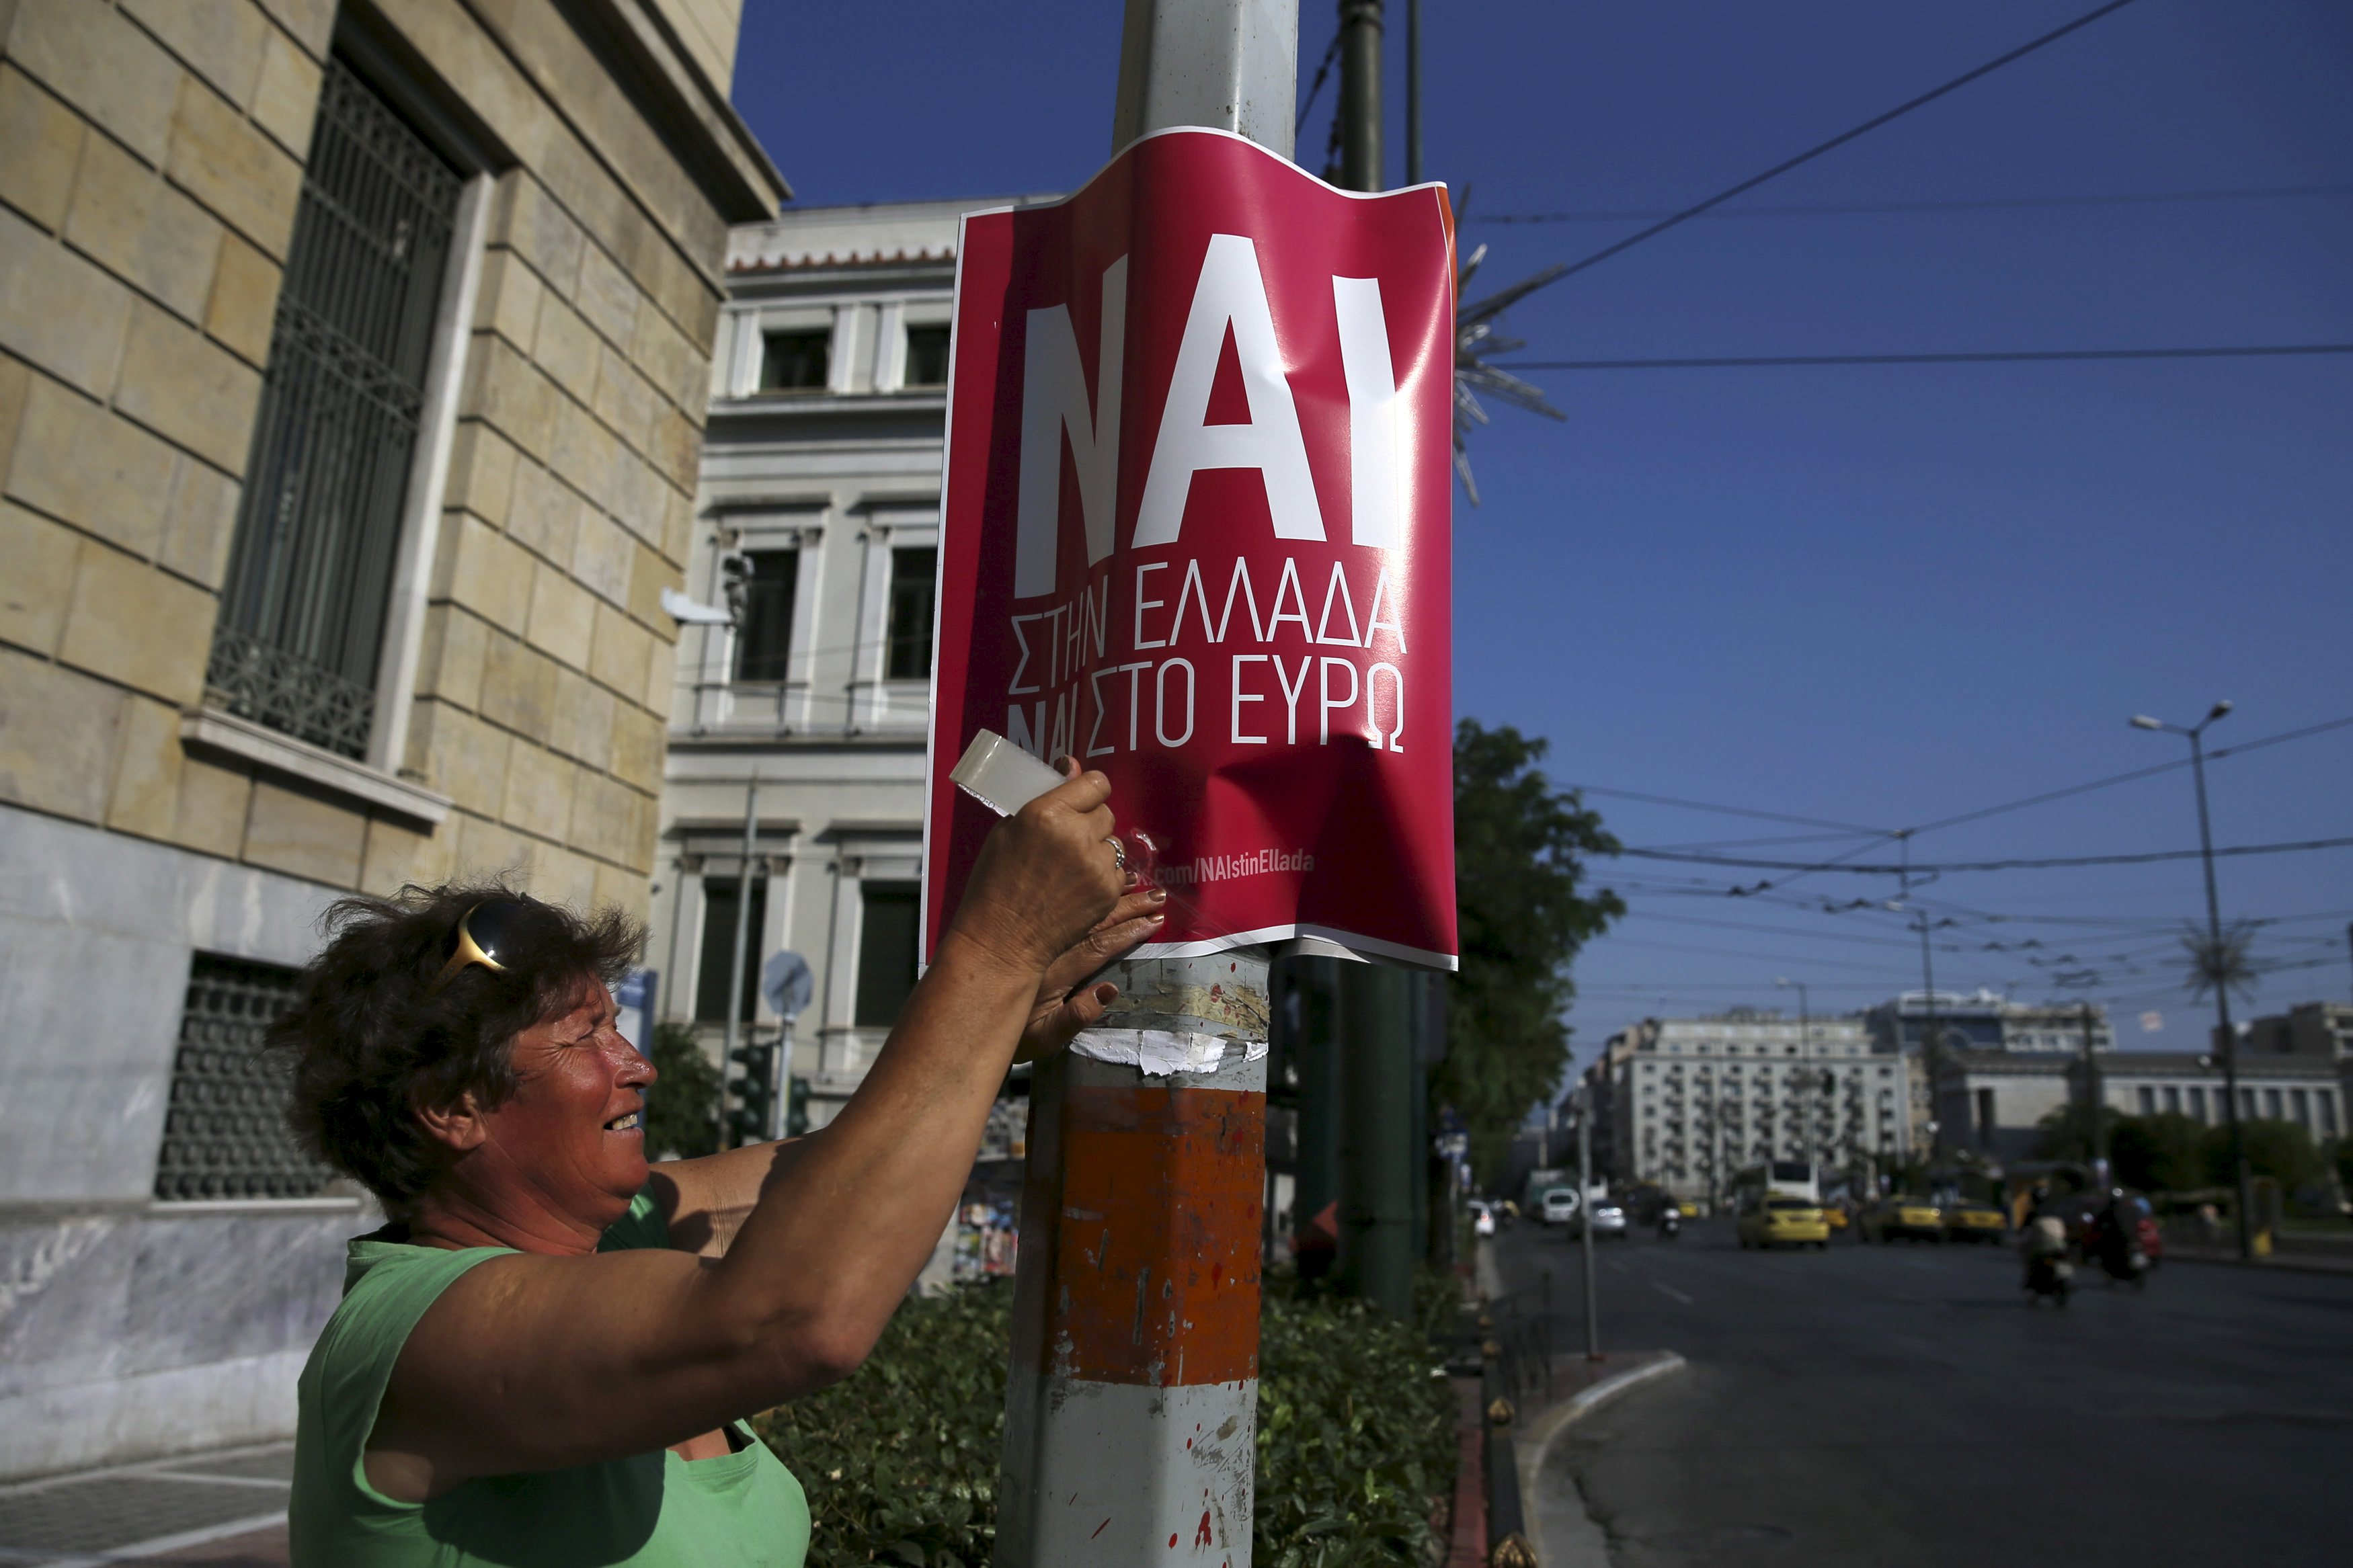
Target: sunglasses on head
486, 930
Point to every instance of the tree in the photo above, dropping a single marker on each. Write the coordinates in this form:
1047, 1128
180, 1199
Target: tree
682, 1106
1522, 850
2275, 1148
2160, 1153
2067, 1131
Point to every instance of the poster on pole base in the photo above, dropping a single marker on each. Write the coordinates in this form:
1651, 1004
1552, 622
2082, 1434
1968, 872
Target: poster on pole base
1196, 533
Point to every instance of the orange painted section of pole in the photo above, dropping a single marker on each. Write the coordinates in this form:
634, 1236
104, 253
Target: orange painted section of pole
1155, 1291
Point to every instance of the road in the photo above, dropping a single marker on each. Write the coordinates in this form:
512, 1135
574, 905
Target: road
1902, 1404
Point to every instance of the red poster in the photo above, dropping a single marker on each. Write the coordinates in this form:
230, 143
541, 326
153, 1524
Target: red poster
1195, 532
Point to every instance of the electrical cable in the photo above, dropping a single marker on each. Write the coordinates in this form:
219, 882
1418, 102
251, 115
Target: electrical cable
2004, 356
1983, 204
2051, 863
1725, 810
1842, 139
1330, 55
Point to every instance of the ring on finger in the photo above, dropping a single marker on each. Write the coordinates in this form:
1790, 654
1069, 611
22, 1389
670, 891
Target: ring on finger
1118, 852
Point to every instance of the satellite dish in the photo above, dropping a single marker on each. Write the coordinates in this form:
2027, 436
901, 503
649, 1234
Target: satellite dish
786, 984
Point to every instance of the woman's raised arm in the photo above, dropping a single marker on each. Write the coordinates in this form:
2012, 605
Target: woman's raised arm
531, 1362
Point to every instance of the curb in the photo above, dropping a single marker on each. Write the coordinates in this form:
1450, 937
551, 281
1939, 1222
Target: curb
2296, 1263
1539, 1438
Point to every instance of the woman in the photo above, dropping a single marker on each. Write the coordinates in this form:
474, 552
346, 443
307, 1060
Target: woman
547, 1356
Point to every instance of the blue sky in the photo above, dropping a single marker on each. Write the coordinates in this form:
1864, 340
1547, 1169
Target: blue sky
1875, 596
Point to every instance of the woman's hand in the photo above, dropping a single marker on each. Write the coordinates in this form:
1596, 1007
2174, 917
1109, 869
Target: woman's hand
1065, 1004
1046, 876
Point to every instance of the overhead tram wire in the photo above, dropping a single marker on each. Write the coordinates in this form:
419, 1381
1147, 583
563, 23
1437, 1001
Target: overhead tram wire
1731, 810
2047, 863
1981, 204
2002, 356
1797, 868
1686, 215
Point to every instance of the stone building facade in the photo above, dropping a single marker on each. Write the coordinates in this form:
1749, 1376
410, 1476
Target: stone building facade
354, 361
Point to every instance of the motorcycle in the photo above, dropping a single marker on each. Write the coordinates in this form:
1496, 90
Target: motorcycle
2116, 1244
2049, 1275
1670, 1224
2048, 1271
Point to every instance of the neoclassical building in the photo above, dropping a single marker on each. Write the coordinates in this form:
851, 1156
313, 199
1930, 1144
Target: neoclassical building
816, 528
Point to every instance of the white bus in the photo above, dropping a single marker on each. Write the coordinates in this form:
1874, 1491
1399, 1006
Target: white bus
1776, 1179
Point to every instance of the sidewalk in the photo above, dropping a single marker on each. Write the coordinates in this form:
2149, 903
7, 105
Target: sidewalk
2313, 1262
1564, 1535
226, 1509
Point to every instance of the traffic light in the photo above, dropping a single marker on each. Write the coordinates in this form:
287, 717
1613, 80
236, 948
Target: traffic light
797, 1108
753, 1091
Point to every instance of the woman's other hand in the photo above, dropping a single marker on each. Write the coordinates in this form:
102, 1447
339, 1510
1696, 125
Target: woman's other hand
1046, 876
1065, 1004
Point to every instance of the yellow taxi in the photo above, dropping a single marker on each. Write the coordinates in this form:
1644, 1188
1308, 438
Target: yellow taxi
1906, 1218
1687, 1207
1784, 1222
1835, 1217
1972, 1221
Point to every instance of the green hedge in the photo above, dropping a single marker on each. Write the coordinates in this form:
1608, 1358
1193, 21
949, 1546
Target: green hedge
1355, 1440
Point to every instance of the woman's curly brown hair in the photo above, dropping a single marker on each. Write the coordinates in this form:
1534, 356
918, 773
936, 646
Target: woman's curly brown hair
370, 1041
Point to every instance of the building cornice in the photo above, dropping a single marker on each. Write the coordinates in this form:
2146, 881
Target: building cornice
690, 112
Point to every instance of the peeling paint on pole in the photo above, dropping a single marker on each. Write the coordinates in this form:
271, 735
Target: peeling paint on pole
1131, 1411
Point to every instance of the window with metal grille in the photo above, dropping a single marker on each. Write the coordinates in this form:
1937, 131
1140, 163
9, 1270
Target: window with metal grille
225, 1134
764, 647
912, 570
302, 615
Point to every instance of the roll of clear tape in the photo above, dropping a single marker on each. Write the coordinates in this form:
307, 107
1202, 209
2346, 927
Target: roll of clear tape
1000, 774
1005, 778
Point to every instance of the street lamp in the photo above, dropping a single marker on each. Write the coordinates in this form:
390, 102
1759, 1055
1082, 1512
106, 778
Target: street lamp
2230, 1047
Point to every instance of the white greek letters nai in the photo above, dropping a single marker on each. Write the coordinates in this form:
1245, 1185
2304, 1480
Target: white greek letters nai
1339, 655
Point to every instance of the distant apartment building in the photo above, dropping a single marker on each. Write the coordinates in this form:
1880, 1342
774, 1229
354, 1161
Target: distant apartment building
1688, 1103
816, 527
352, 365
2022, 1063
1982, 1027
1993, 1104
2315, 1031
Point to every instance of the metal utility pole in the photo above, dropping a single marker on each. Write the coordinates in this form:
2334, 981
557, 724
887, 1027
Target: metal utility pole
1929, 1031
1360, 95
743, 925
2095, 1097
1132, 1402
1413, 92
2226, 1038
1585, 1217
1380, 1166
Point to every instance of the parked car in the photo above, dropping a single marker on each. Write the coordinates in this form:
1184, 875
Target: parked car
1972, 1221
1784, 1222
1483, 1216
1559, 1206
1903, 1218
